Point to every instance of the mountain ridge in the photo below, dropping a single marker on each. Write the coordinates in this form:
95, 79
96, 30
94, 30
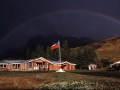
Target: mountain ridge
45, 41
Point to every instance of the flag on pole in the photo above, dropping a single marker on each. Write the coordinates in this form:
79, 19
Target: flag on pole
54, 46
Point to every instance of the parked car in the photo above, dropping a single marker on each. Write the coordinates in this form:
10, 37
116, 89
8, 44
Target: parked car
115, 67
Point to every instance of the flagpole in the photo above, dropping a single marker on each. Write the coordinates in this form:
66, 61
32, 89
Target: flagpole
59, 51
60, 70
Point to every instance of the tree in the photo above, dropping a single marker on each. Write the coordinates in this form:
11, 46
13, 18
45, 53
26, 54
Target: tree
55, 54
85, 57
28, 54
105, 62
42, 52
65, 50
33, 55
80, 59
48, 53
65, 45
38, 51
73, 56
92, 55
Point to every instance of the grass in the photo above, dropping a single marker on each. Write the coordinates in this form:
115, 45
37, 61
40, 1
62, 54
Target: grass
78, 79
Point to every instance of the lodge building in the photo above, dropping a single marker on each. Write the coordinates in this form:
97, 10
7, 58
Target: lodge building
35, 64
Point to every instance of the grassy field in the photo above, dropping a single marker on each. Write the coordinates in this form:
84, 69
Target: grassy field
78, 79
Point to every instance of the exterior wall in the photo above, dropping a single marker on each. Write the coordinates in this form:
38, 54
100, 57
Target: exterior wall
65, 66
92, 67
73, 67
24, 66
51, 67
3, 66
69, 67
56, 66
10, 67
39, 64
21, 66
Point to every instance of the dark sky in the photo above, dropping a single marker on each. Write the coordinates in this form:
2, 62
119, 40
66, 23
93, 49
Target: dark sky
23, 19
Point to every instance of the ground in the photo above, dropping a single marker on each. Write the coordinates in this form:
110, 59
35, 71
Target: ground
78, 79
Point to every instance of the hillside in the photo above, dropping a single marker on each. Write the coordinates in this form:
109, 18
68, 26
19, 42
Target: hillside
107, 49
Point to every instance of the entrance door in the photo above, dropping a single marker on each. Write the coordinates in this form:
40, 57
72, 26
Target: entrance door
16, 66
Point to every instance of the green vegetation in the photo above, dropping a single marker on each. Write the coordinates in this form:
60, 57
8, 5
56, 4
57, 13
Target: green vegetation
107, 49
82, 57
81, 85
70, 80
102, 53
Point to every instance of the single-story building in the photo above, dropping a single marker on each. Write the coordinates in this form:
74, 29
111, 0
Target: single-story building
35, 64
92, 66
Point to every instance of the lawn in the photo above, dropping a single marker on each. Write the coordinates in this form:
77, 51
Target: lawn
78, 79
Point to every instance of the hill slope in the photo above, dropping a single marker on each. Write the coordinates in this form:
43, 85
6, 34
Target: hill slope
107, 49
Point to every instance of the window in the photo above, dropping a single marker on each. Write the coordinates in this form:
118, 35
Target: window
30, 64
46, 65
2, 65
16, 66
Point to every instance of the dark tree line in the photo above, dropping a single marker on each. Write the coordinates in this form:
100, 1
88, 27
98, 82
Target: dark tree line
20, 52
82, 57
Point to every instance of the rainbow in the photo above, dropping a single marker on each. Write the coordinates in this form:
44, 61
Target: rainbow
57, 12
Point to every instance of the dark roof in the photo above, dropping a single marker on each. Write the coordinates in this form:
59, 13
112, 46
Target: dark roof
12, 61
22, 61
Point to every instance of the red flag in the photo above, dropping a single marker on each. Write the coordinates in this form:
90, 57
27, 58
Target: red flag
55, 46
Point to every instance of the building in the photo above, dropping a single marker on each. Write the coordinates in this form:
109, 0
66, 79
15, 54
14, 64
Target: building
92, 66
35, 64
